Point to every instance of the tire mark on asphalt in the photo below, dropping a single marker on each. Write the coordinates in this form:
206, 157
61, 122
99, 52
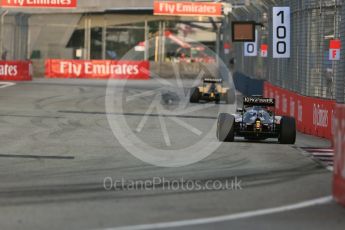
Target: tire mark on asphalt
65, 127
37, 157
53, 193
30, 116
40, 103
135, 114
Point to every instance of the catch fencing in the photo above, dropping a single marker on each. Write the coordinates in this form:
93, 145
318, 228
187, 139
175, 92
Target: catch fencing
314, 23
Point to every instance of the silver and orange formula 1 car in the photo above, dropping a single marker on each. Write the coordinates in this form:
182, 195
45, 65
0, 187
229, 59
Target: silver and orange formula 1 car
256, 121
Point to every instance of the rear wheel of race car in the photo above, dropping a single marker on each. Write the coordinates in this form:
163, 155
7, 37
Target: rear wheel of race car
226, 128
287, 130
195, 95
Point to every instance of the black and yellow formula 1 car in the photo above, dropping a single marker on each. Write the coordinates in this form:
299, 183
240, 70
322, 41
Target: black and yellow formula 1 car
212, 89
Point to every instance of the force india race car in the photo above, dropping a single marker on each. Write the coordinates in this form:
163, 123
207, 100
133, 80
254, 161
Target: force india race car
256, 121
212, 90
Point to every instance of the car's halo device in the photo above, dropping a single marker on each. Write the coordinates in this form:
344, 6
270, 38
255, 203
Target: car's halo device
256, 121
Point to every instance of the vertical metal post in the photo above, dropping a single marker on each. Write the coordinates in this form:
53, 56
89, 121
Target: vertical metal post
157, 44
3, 14
163, 42
227, 39
28, 55
87, 39
147, 43
160, 42
156, 48
19, 24
335, 66
104, 38
218, 45
307, 66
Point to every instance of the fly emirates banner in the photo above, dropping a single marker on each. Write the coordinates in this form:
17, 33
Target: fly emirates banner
97, 69
39, 3
15, 71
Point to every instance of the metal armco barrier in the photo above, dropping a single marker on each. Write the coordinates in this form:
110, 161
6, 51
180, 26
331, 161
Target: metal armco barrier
313, 115
15, 71
339, 162
97, 69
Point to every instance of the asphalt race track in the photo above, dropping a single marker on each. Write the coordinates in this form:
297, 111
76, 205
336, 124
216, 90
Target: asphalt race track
57, 148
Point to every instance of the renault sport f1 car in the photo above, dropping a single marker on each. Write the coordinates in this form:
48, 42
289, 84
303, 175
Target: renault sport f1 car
256, 121
212, 90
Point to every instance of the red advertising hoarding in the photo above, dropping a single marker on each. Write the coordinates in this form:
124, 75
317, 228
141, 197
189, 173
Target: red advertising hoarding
39, 3
339, 158
187, 8
318, 117
98, 69
15, 71
313, 115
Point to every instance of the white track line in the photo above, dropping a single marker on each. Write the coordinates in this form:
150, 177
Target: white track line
322, 154
243, 215
321, 150
6, 84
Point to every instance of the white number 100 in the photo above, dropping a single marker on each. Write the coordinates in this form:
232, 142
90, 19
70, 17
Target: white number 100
281, 34
281, 31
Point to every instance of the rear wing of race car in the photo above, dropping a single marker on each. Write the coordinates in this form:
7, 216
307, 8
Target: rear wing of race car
213, 80
258, 101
